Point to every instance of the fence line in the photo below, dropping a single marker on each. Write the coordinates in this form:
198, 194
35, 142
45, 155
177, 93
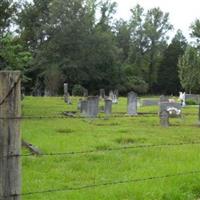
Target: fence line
72, 117
80, 117
105, 150
105, 184
17, 186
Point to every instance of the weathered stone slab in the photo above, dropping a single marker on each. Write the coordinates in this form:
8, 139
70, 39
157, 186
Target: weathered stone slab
108, 107
66, 94
164, 118
150, 102
174, 109
113, 97
83, 107
85, 93
116, 93
164, 98
102, 93
92, 107
132, 103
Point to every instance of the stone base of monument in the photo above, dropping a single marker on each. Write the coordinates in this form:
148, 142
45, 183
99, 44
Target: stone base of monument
69, 114
164, 118
174, 112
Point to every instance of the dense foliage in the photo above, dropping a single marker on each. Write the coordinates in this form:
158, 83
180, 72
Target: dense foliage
81, 43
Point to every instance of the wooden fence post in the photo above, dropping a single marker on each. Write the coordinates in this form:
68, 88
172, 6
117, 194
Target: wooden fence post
199, 113
10, 140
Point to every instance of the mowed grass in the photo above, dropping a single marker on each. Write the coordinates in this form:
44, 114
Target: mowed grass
43, 173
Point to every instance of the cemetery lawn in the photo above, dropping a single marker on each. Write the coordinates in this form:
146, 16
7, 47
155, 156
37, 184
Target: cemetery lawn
42, 173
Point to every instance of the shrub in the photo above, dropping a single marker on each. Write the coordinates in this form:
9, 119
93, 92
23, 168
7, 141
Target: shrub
191, 102
77, 90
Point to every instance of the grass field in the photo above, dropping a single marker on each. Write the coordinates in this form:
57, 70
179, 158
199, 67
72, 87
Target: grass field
41, 173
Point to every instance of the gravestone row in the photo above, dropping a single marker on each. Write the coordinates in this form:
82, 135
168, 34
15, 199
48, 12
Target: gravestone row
90, 106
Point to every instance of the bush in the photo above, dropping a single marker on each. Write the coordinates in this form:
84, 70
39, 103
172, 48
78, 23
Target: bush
78, 90
191, 102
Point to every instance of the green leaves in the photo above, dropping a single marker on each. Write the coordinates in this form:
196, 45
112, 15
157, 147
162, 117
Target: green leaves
189, 69
13, 54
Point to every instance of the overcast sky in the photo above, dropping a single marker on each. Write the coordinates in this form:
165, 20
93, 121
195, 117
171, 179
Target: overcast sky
182, 12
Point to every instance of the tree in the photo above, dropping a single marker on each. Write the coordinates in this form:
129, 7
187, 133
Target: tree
156, 27
168, 79
66, 38
122, 32
7, 11
195, 27
189, 69
148, 41
13, 55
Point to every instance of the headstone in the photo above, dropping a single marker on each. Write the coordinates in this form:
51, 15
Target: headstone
108, 107
83, 107
174, 109
164, 118
79, 104
199, 112
46, 93
139, 102
182, 98
92, 107
115, 99
102, 93
85, 92
111, 95
150, 102
66, 93
69, 100
132, 103
163, 99
116, 92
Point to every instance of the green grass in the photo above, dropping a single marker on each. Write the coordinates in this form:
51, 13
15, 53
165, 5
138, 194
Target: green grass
67, 135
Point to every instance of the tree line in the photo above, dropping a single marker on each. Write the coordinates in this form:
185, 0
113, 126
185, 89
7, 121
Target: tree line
81, 42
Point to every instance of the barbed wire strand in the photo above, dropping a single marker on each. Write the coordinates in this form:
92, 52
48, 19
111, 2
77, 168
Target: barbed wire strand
78, 117
91, 186
70, 117
103, 150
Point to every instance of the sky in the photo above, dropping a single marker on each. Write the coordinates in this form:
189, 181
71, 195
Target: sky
182, 12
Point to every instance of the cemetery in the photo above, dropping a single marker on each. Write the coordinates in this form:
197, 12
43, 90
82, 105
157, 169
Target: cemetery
123, 125
100, 146
99, 100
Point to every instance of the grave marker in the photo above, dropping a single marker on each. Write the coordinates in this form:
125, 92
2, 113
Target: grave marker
66, 94
92, 107
150, 102
164, 118
163, 98
132, 103
102, 93
108, 107
174, 109
85, 92
83, 107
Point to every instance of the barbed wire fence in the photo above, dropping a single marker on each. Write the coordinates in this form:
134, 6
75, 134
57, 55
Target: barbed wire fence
10, 115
